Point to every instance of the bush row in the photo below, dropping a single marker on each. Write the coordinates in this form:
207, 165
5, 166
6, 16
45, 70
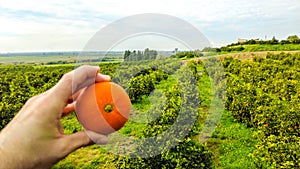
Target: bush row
265, 94
171, 135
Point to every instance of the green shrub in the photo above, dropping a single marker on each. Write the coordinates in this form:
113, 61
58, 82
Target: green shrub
266, 95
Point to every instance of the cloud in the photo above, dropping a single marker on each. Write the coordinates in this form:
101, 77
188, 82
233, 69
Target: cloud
65, 25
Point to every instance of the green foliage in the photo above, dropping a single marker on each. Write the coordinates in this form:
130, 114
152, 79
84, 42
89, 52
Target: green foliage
143, 83
92, 157
19, 83
139, 86
268, 47
260, 47
187, 154
210, 49
232, 49
139, 55
263, 94
141, 78
193, 67
266, 95
189, 54
180, 107
255, 45
293, 39
277, 152
70, 124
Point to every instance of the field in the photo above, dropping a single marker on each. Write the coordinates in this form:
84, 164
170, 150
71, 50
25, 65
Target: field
54, 58
259, 127
268, 47
251, 55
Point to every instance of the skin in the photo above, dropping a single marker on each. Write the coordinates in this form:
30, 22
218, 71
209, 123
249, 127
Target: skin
35, 137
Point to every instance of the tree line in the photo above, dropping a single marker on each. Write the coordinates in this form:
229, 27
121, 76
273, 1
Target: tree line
148, 54
134, 55
293, 39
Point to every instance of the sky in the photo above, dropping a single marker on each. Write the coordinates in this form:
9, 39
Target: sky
57, 25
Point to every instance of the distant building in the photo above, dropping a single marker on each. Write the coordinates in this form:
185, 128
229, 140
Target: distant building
242, 40
246, 40
176, 50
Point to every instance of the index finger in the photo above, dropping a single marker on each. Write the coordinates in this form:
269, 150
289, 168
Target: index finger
73, 81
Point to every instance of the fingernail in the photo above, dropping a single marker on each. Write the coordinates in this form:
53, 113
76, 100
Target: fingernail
102, 140
97, 138
101, 77
108, 77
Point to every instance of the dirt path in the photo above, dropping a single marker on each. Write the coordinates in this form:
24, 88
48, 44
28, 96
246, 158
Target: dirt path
251, 55
241, 55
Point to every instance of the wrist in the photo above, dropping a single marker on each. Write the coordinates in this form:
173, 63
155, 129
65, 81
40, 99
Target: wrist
9, 157
5, 162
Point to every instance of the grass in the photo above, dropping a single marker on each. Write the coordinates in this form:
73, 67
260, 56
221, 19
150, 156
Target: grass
204, 86
71, 124
268, 47
232, 143
87, 157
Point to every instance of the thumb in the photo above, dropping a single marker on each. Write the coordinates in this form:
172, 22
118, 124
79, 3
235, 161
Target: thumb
82, 139
96, 137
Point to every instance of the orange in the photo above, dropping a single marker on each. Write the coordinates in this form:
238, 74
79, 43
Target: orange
103, 107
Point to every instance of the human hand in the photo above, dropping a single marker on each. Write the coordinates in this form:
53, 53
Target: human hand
35, 137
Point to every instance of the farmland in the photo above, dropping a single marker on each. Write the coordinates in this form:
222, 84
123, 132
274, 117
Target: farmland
54, 58
258, 129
